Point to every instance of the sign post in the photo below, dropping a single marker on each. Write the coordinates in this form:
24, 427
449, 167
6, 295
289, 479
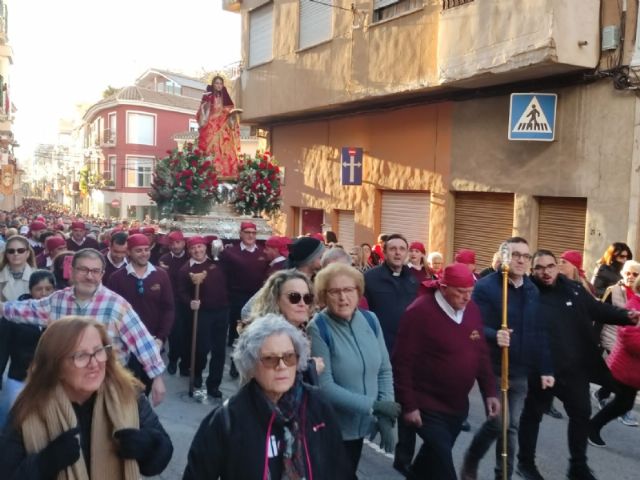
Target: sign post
351, 166
532, 116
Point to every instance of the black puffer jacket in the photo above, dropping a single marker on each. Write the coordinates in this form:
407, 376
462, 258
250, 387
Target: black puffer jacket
606, 276
236, 448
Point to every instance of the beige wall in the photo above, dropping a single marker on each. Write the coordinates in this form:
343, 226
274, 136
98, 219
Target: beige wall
403, 150
590, 158
484, 42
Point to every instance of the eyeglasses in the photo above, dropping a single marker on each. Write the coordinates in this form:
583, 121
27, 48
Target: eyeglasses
295, 297
622, 255
96, 272
13, 251
272, 361
524, 256
544, 268
336, 292
249, 232
83, 359
140, 286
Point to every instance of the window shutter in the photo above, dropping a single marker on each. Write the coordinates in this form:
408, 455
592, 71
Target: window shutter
407, 214
346, 229
561, 223
261, 35
482, 222
315, 22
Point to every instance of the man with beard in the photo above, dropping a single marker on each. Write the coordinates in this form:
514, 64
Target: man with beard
116, 256
570, 312
149, 292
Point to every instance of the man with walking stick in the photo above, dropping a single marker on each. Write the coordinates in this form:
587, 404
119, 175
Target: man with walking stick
528, 348
212, 308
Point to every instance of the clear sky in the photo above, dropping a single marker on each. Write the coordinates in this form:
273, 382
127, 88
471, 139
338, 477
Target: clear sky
66, 52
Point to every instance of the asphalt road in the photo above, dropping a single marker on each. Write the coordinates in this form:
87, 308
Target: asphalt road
619, 461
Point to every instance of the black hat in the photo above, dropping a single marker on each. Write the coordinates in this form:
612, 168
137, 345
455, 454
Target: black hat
303, 250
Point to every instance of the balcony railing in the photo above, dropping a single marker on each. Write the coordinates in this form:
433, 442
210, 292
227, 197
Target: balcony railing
446, 4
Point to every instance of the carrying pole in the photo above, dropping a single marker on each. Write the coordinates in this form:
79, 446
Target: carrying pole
197, 279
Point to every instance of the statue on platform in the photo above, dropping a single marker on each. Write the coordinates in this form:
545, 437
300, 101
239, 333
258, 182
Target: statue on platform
219, 133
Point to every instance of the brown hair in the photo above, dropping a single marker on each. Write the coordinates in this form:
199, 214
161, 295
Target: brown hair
31, 259
55, 346
613, 251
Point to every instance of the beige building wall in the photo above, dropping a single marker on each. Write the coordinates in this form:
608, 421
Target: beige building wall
405, 150
591, 158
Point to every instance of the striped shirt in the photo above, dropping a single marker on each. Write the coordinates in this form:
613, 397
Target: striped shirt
128, 333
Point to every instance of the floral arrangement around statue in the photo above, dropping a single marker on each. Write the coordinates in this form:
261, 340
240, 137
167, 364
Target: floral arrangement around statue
258, 187
185, 182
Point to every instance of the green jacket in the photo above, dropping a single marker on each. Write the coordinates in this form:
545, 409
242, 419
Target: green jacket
357, 370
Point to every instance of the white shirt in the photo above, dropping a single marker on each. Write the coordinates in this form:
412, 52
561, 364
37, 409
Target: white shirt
277, 260
177, 256
455, 315
516, 283
251, 248
123, 262
149, 271
193, 262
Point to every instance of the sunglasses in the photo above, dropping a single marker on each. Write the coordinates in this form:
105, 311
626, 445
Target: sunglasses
272, 361
140, 286
13, 251
295, 297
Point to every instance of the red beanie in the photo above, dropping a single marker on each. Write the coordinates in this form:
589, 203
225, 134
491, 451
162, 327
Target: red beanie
418, 246
574, 258
466, 256
78, 226
133, 231
37, 226
175, 236
148, 231
137, 240
197, 240
54, 242
279, 243
457, 275
245, 225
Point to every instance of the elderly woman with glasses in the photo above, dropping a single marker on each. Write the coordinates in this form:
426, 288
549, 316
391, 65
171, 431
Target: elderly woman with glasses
81, 415
357, 378
16, 266
275, 426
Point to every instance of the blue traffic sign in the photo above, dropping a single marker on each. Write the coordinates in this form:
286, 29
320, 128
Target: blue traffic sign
351, 165
532, 116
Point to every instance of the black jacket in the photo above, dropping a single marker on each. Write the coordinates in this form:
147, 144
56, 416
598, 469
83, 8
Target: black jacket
606, 276
237, 450
16, 464
570, 313
17, 343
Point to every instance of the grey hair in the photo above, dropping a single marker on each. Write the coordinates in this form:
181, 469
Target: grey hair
246, 353
88, 253
333, 255
433, 255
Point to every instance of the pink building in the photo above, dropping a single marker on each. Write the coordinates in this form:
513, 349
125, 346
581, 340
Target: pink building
127, 132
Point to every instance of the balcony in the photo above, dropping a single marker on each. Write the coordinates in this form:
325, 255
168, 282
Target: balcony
488, 42
231, 5
108, 137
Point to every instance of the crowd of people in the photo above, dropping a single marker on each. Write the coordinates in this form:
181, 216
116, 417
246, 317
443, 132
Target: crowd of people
330, 347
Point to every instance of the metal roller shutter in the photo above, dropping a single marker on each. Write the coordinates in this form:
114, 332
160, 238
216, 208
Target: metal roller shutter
315, 22
482, 222
406, 213
346, 229
561, 223
261, 35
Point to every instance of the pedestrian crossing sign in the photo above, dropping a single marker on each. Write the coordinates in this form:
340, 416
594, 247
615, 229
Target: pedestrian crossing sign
532, 116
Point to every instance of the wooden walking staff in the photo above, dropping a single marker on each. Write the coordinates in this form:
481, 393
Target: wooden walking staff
504, 377
197, 279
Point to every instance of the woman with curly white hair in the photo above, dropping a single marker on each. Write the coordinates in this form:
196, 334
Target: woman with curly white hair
276, 426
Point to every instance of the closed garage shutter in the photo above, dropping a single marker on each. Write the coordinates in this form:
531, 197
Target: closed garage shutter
346, 229
561, 223
482, 222
406, 213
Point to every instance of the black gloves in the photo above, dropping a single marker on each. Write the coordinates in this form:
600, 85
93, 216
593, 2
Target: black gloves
387, 408
61, 453
135, 444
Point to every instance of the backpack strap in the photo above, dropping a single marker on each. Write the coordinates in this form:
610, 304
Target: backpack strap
323, 330
370, 320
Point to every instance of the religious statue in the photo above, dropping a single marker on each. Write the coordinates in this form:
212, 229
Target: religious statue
219, 133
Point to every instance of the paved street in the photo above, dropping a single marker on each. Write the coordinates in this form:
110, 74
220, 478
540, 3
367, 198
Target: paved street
619, 461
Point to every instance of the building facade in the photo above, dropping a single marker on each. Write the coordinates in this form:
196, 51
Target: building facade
128, 132
424, 88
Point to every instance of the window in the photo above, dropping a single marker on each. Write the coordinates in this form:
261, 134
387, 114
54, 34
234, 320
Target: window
315, 22
112, 169
193, 125
110, 132
139, 171
261, 35
385, 9
141, 128
453, 3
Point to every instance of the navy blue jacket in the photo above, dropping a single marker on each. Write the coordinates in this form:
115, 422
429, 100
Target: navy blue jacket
388, 297
529, 347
